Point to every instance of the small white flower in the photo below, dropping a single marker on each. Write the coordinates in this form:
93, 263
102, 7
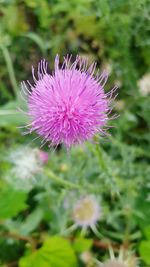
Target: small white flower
86, 212
144, 85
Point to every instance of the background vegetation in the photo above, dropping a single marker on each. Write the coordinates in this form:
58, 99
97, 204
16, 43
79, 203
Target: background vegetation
37, 199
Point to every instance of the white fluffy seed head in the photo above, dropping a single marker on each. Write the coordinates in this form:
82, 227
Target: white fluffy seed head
26, 165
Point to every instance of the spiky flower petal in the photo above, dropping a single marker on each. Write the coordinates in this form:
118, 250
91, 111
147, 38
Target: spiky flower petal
68, 106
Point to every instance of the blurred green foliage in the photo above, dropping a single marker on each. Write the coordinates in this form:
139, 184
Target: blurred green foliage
35, 221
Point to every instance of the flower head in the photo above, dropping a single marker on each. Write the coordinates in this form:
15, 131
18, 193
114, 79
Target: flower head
86, 211
68, 106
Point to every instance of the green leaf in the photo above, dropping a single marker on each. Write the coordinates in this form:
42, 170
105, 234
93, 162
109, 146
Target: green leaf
9, 116
35, 260
11, 202
81, 244
31, 222
55, 252
144, 250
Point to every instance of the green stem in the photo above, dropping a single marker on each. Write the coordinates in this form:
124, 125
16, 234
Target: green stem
60, 181
104, 168
126, 239
97, 150
10, 68
101, 158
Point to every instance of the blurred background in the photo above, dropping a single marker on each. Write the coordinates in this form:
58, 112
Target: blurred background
39, 187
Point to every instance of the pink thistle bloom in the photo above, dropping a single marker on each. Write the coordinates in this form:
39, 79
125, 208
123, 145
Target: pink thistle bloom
68, 106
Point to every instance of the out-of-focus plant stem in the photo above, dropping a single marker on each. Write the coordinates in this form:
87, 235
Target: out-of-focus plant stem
10, 69
127, 231
101, 158
60, 181
100, 154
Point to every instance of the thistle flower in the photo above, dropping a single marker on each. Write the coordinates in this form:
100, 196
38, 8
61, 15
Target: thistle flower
68, 106
86, 212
